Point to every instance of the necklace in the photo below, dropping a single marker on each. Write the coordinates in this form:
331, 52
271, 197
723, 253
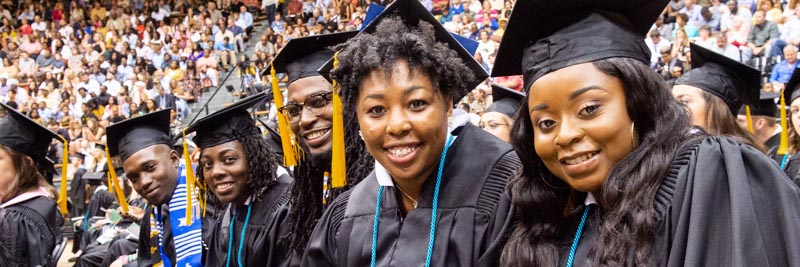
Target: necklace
407, 196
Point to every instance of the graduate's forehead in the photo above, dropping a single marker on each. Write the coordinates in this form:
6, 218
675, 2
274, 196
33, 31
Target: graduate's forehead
152, 154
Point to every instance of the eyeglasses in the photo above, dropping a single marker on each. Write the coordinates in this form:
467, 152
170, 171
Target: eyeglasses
491, 125
316, 103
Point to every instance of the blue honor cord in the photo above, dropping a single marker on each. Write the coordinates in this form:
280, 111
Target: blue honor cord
577, 238
241, 240
432, 235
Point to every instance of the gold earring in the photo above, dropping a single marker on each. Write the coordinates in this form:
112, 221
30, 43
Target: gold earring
633, 137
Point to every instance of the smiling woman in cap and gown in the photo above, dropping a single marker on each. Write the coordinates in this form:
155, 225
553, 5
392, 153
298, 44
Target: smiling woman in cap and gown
613, 172
32, 220
429, 201
788, 152
239, 168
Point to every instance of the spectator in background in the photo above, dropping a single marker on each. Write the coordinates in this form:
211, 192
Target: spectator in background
762, 34
265, 46
782, 72
668, 65
226, 53
655, 43
722, 46
734, 11
693, 11
278, 25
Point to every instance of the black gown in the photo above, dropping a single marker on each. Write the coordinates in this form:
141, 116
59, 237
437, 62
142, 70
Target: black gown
77, 193
33, 226
721, 204
267, 224
474, 213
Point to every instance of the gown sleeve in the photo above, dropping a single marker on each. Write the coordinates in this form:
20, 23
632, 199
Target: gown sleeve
732, 206
321, 249
499, 230
31, 238
145, 258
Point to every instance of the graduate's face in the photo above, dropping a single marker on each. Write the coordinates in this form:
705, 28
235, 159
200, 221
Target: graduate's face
497, 124
581, 127
313, 129
225, 171
403, 121
153, 171
795, 114
8, 175
692, 98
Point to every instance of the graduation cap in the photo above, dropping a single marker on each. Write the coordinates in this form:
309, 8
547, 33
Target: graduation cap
791, 91
545, 35
301, 57
733, 82
129, 136
24, 135
227, 124
81, 156
94, 176
99, 146
505, 100
765, 107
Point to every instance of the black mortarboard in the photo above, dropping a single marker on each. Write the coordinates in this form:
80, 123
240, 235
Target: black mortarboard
301, 57
791, 89
24, 135
732, 81
99, 146
98, 176
412, 11
81, 156
505, 100
545, 35
766, 106
129, 136
227, 124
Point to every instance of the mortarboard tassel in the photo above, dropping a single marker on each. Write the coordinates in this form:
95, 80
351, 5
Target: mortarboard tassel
338, 163
112, 176
191, 183
291, 149
749, 119
62, 193
783, 148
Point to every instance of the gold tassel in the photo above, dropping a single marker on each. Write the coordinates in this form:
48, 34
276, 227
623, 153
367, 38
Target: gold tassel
292, 152
783, 148
338, 161
112, 176
749, 119
62, 193
191, 183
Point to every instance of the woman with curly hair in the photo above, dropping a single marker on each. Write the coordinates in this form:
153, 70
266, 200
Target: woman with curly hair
238, 166
429, 201
613, 172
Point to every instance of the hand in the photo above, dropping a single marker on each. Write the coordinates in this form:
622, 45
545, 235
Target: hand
134, 212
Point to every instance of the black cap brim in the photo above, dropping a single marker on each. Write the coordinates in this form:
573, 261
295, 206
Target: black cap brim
412, 11
301, 57
24, 135
791, 89
532, 20
129, 136
227, 124
505, 100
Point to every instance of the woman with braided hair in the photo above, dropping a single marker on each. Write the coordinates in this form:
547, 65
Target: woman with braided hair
239, 167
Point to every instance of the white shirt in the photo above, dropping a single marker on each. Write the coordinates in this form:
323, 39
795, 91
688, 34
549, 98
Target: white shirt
113, 86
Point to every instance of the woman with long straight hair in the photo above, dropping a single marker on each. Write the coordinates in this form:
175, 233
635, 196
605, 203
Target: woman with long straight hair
613, 172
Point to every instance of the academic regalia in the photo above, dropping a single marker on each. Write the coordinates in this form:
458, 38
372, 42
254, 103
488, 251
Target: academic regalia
259, 223
77, 193
696, 229
711, 204
101, 201
790, 163
472, 215
766, 107
505, 101
34, 227
160, 223
734, 82
32, 216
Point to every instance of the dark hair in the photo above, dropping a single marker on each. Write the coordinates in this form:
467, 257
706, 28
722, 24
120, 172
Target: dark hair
629, 216
720, 121
794, 138
27, 176
261, 163
393, 41
306, 192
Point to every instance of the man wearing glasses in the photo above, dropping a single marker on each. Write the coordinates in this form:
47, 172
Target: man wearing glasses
309, 110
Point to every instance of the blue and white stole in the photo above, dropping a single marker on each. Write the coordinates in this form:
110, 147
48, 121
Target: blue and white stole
188, 239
